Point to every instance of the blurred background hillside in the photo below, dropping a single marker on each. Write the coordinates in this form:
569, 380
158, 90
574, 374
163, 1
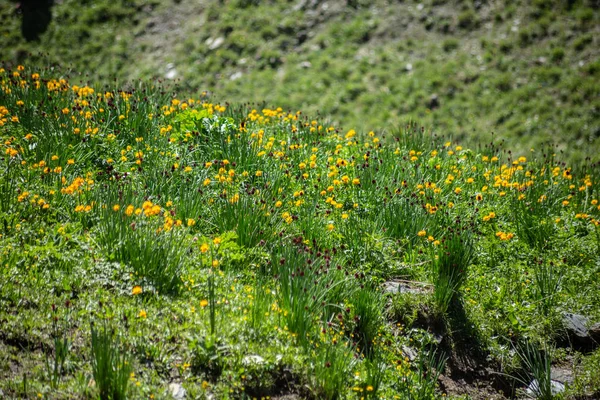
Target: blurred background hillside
529, 71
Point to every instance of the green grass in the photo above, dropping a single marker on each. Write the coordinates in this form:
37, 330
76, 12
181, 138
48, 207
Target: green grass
242, 252
523, 71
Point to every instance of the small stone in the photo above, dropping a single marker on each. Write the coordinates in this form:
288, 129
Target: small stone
177, 391
408, 67
215, 43
400, 287
171, 71
236, 75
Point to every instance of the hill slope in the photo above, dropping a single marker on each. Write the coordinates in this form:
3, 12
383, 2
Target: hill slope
527, 71
231, 252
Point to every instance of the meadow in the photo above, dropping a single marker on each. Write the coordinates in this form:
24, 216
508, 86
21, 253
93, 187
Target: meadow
524, 71
156, 246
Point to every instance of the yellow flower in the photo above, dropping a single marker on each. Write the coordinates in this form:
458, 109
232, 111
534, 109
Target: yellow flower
136, 290
356, 181
142, 314
203, 303
204, 248
191, 222
330, 227
422, 233
215, 263
217, 241
457, 190
116, 207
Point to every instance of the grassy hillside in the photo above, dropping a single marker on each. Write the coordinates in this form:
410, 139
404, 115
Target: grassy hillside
161, 247
527, 71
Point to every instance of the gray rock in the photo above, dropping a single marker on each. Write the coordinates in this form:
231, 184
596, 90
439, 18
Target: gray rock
177, 391
401, 287
171, 71
576, 324
215, 43
581, 333
562, 375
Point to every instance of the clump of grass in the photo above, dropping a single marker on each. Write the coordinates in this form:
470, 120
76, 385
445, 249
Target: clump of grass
110, 367
332, 363
450, 261
423, 383
547, 280
56, 363
137, 236
368, 306
536, 374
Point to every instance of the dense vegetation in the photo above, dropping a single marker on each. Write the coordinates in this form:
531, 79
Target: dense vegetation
528, 71
152, 244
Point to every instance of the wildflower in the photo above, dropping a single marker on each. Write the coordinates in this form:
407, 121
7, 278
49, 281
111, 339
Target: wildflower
191, 222
422, 233
137, 289
330, 227
203, 303
142, 314
457, 190
217, 241
116, 207
215, 263
204, 248
356, 181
